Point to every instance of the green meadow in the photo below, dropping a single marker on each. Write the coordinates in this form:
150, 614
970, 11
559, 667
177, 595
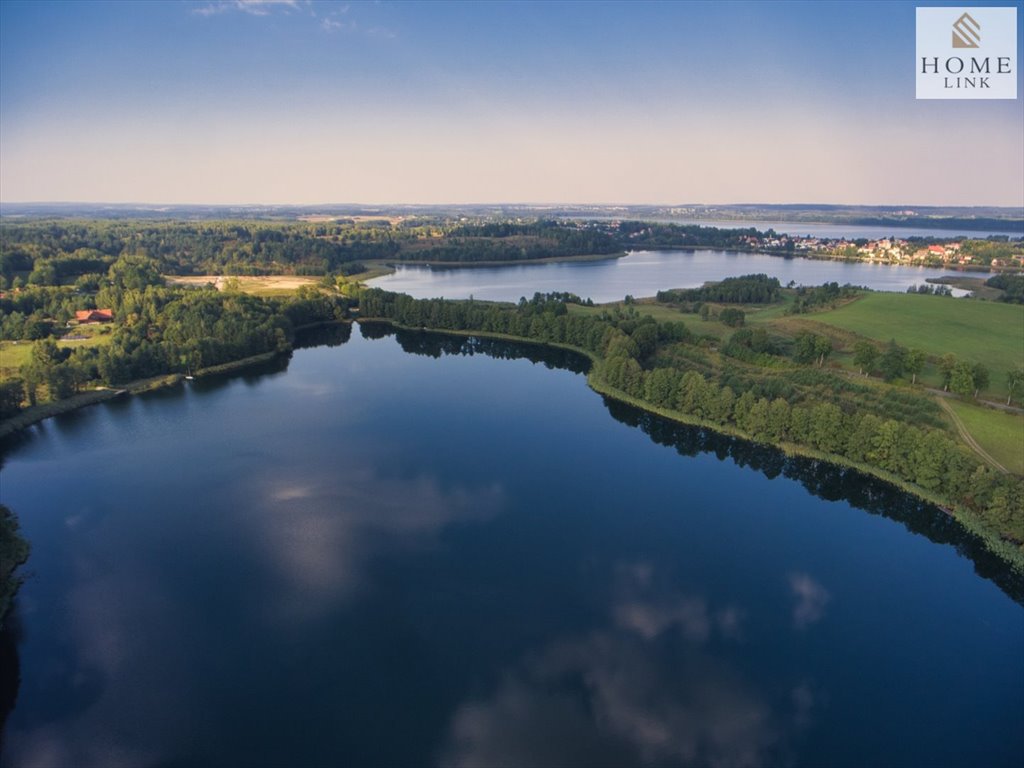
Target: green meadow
998, 432
985, 332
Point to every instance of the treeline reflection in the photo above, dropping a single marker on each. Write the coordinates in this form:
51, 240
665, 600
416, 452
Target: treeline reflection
824, 480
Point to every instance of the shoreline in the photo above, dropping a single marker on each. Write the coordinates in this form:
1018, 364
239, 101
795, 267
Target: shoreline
37, 413
1004, 550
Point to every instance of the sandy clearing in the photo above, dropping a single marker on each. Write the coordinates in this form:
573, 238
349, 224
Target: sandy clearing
246, 283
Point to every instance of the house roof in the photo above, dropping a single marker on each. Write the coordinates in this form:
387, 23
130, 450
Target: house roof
94, 314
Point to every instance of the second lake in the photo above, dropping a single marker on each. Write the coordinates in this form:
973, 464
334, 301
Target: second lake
641, 273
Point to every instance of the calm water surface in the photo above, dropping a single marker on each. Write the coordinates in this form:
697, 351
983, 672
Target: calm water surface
393, 554
642, 273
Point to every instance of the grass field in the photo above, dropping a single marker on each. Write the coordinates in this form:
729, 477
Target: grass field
999, 433
15, 354
12, 357
983, 332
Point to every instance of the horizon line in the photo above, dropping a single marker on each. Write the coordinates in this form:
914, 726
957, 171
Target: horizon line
149, 204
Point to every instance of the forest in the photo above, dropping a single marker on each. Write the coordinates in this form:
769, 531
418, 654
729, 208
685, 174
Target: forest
77, 253
74, 253
158, 330
746, 289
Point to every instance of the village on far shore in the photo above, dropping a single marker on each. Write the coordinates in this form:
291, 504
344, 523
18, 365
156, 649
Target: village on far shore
891, 251
990, 252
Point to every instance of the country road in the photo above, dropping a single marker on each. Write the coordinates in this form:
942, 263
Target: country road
970, 440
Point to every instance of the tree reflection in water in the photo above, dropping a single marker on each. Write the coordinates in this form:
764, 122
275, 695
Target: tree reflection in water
824, 480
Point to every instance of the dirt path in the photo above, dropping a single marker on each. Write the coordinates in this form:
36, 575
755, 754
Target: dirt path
989, 403
970, 440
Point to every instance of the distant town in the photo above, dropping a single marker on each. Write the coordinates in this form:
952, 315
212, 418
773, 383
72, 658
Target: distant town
992, 252
979, 253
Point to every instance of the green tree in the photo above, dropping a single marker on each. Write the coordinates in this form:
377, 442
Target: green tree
12, 392
860, 440
864, 356
981, 378
1014, 381
946, 365
961, 380
914, 363
134, 272
660, 387
822, 349
778, 419
732, 317
827, 432
805, 347
892, 361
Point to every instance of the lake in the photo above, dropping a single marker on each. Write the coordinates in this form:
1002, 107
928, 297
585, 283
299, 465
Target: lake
642, 273
420, 550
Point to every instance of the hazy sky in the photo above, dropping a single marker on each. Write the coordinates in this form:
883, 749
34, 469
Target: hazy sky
276, 101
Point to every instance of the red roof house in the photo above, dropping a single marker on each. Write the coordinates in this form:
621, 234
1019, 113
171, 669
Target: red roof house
86, 316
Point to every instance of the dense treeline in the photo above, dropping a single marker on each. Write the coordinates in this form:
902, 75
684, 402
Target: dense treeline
58, 252
658, 365
63, 252
645, 234
1011, 285
821, 296
746, 289
931, 290
515, 241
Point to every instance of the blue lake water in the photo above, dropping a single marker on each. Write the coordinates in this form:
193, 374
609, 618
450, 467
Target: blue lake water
642, 273
417, 550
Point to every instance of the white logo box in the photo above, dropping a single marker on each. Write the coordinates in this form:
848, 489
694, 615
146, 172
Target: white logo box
966, 52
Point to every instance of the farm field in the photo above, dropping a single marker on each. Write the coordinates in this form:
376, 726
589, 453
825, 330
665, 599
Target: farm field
983, 332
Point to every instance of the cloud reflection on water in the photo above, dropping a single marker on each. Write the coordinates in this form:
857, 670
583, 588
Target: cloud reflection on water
811, 599
650, 689
118, 629
319, 533
137, 642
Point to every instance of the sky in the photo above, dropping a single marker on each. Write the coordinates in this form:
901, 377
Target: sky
295, 102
